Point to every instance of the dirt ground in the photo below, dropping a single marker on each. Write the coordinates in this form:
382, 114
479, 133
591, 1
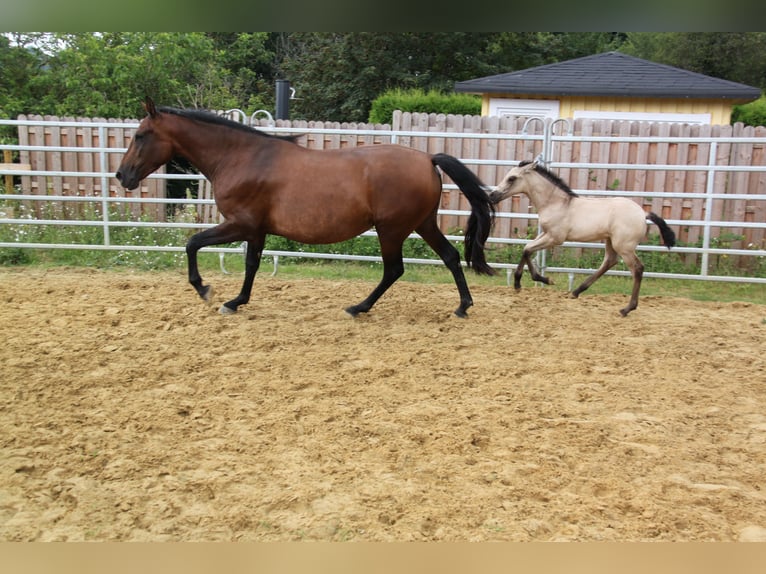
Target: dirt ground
132, 411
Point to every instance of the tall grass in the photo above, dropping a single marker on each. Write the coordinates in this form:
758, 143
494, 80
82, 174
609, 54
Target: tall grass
146, 260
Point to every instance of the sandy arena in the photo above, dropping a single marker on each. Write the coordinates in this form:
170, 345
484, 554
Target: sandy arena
132, 411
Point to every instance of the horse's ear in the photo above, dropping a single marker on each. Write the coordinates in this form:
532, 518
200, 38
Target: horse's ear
150, 107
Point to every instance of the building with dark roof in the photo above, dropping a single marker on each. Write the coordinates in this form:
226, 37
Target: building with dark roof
610, 85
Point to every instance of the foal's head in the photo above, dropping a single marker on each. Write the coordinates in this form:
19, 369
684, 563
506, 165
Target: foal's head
514, 181
521, 179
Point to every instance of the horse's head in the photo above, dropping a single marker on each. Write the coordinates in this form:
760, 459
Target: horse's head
150, 149
512, 183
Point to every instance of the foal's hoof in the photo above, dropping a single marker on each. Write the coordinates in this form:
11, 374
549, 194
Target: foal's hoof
224, 310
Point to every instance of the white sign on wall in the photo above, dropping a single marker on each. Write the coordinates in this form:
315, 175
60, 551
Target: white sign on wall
533, 108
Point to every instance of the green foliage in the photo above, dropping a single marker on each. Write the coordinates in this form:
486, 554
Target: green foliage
108, 74
337, 75
654, 261
89, 235
752, 114
417, 100
734, 56
511, 51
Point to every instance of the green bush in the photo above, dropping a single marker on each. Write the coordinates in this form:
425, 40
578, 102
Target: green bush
752, 114
383, 107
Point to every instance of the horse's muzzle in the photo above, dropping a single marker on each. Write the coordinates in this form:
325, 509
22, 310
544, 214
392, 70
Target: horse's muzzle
127, 182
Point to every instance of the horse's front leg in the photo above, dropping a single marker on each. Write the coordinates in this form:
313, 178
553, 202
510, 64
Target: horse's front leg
223, 233
542, 241
252, 263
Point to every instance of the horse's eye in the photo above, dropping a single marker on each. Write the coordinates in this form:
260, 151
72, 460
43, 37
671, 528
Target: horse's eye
512, 180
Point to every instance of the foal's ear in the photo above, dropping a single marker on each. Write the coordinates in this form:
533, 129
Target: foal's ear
150, 107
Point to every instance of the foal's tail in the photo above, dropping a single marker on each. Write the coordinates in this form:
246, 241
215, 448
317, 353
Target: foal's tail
482, 210
668, 237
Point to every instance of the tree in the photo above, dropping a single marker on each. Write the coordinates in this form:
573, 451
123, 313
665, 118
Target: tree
249, 62
337, 75
109, 74
735, 56
18, 65
514, 51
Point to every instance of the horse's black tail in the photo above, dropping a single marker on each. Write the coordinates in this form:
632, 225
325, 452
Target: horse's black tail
668, 237
482, 210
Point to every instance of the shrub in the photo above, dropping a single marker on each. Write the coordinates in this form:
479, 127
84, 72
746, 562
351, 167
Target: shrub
383, 107
752, 114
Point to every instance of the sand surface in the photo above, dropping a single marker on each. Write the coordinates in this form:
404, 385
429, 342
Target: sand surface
132, 411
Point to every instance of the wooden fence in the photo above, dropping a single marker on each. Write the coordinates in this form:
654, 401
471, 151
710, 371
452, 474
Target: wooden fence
88, 163
491, 152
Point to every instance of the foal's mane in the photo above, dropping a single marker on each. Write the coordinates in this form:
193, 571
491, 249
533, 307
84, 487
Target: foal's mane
553, 178
215, 119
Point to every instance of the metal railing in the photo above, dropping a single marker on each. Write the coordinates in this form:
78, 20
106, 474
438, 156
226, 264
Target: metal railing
107, 222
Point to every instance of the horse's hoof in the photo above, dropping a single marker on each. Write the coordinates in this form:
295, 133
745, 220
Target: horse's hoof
354, 310
461, 313
206, 293
224, 310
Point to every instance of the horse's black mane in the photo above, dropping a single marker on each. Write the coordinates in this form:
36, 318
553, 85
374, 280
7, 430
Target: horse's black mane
553, 178
211, 118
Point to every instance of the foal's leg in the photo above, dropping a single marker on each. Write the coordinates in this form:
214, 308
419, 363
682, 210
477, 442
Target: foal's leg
393, 268
610, 260
226, 232
252, 262
542, 241
637, 270
430, 232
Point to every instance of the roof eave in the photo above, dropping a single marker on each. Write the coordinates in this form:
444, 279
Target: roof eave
748, 95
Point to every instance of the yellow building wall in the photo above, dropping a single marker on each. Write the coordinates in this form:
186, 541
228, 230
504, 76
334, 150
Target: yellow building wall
720, 111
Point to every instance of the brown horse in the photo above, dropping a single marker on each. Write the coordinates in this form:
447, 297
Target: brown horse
564, 215
265, 184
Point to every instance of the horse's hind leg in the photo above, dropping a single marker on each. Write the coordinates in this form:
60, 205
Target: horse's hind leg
637, 270
393, 268
430, 232
610, 260
252, 262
